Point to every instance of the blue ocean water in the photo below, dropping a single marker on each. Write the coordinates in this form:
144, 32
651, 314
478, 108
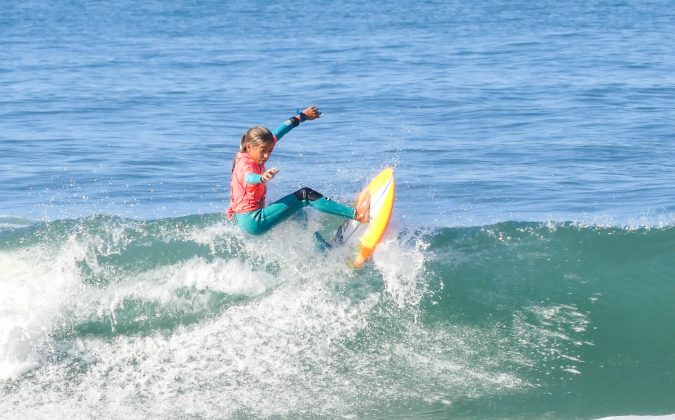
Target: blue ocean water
528, 271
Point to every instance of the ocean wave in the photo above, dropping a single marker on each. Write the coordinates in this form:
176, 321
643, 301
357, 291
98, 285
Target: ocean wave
446, 320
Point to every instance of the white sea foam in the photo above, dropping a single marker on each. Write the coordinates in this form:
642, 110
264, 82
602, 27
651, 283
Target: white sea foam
288, 340
402, 268
34, 285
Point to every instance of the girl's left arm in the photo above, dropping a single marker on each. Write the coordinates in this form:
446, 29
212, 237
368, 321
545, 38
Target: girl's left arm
310, 113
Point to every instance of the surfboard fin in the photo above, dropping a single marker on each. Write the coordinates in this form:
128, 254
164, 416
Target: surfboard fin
320, 243
338, 238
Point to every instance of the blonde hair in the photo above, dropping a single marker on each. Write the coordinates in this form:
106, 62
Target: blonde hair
255, 136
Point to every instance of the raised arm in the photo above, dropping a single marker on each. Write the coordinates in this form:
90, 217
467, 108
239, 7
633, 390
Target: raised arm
309, 113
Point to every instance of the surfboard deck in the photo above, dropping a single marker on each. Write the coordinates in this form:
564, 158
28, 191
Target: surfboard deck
364, 237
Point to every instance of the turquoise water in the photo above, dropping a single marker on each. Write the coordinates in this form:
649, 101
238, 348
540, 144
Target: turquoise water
528, 271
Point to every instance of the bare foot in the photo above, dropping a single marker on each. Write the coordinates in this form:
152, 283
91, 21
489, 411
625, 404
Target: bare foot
363, 208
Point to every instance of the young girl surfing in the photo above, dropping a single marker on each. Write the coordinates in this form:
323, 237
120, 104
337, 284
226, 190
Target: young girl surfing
249, 178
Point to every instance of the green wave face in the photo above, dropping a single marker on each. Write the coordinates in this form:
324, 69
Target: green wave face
582, 314
188, 317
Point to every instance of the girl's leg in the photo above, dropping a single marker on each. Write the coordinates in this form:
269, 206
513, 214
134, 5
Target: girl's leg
260, 221
324, 204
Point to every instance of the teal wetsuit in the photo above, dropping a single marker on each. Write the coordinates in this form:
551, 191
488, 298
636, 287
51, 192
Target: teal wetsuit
261, 220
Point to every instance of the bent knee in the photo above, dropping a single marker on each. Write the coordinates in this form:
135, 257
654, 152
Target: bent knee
306, 193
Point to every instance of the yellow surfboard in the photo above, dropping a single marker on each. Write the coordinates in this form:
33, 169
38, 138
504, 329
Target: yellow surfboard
365, 237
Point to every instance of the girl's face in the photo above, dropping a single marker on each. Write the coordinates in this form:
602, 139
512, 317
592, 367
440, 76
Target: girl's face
260, 153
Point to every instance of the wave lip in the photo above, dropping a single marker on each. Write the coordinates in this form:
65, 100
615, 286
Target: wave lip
9, 222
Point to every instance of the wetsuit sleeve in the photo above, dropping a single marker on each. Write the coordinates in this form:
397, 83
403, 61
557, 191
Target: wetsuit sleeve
252, 178
284, 128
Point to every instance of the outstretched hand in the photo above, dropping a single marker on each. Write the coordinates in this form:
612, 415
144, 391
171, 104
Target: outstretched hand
269, 174
312, 112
